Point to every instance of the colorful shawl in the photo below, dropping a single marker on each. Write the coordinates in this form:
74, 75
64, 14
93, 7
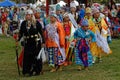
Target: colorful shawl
83, 50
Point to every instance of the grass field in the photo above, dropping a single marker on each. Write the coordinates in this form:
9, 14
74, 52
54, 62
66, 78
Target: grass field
109, 69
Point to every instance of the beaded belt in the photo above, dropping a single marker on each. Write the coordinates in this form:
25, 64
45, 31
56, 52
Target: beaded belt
32, 36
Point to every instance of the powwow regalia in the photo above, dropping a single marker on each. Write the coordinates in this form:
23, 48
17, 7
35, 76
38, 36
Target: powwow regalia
83, 54
55, 43
69, 31
31, 32
99, 27
72, 34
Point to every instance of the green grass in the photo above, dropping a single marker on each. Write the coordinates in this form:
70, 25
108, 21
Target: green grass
109, 69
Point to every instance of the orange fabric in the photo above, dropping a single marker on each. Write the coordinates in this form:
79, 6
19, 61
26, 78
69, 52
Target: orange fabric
61, 33
67, 44
90, 27
20, 59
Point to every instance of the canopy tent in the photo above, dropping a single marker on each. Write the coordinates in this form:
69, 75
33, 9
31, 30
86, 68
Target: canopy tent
7, 3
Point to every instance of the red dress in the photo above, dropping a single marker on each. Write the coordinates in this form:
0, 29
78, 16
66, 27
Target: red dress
3, 20
67, 27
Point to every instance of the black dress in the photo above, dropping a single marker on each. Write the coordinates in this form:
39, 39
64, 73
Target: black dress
32, 46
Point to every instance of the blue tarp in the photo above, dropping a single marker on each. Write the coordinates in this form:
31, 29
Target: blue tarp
7, 3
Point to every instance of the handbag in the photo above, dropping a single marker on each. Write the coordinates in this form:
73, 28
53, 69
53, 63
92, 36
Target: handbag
42, 55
